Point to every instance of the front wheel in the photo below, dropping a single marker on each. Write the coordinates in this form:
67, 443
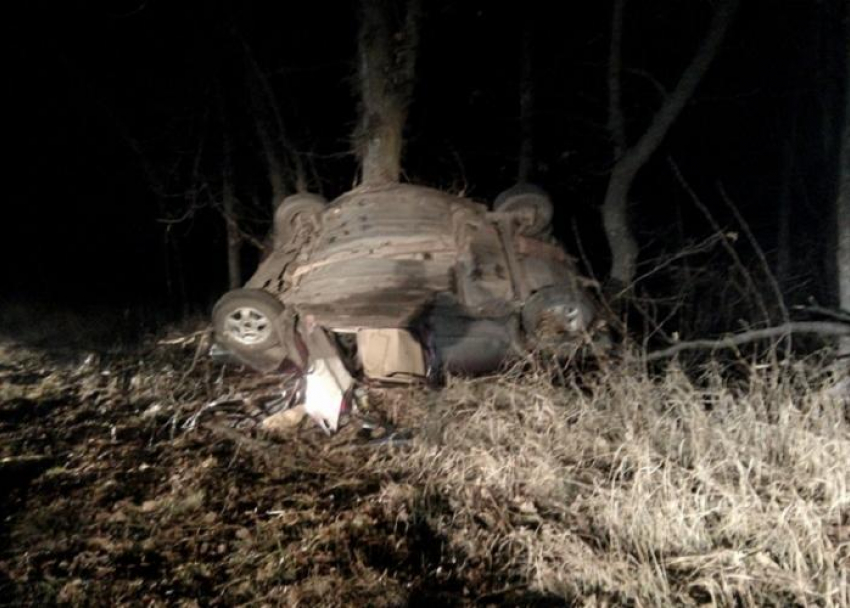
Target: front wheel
295, 211
243, 320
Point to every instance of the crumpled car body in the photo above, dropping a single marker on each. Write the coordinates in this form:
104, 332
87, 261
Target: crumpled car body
406, 267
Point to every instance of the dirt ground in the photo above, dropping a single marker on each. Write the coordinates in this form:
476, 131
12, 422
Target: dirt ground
116, 491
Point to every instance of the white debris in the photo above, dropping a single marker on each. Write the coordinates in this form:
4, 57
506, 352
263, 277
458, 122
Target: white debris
154, 411
327, 385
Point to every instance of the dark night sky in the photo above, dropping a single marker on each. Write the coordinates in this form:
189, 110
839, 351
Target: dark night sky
102, 90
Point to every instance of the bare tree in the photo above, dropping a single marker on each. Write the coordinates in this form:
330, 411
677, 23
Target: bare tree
785, 198
280, 155
387, 48
526, 102
842, 205
274, 165
630, 159
229, 203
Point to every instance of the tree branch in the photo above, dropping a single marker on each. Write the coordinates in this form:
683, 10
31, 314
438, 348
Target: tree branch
673, 105
835, 314
727, 245
615, 221
821, 328
269, 100
526, 102
774, 284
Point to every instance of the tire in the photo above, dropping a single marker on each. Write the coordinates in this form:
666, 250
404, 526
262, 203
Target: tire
295, 210
528, 198
244, 321
555, 315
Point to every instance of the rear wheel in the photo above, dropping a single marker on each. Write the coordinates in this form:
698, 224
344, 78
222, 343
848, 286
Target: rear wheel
530, 201
557, 316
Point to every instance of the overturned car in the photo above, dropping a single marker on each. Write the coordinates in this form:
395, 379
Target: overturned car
397, 282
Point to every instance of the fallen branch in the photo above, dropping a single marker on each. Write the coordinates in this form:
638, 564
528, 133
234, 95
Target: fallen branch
183, 340
822, 328
836, 314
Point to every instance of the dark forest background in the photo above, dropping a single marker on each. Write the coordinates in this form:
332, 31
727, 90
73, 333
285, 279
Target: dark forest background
128, 118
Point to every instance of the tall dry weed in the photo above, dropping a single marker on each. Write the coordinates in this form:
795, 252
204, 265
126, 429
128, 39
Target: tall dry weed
642, 489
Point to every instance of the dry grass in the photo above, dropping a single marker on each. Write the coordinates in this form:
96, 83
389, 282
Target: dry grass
615, 487
640, 489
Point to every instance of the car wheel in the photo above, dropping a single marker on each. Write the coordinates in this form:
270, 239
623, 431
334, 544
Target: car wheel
529, 199
294, 211
555, 315
244, 320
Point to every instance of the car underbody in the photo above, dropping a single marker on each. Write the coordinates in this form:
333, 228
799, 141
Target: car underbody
398, 282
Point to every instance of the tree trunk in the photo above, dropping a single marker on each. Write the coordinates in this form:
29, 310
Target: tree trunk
842, 205
784, 211
618, 231
234, 238
621, 241
268, 121
615, 220
386, 62
526, 103
616, 128
229, 209
274, 168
